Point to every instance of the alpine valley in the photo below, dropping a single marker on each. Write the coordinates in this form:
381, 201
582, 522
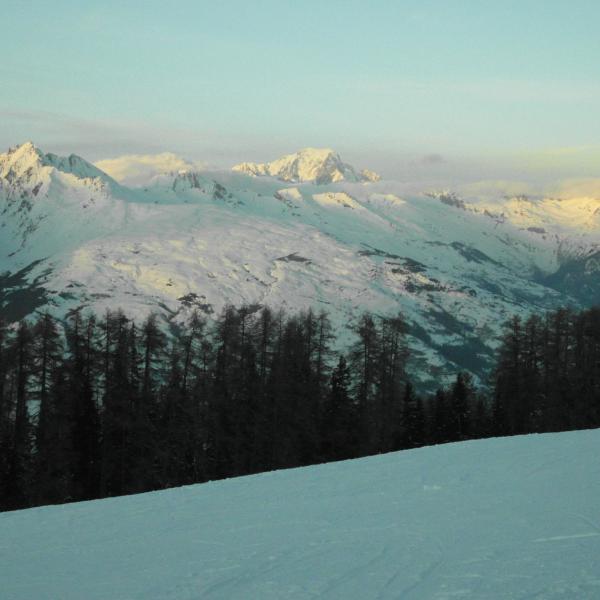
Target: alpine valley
304, 231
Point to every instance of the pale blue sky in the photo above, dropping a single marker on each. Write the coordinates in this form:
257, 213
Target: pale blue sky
383, 82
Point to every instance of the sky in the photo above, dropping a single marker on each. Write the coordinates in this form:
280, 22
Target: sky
407, 87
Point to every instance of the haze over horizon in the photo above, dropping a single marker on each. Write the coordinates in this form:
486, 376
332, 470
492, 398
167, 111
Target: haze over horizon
420, 91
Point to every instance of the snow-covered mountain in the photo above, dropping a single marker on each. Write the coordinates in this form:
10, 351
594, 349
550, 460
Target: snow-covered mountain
23, 162
70, 235
310, 165
494, 519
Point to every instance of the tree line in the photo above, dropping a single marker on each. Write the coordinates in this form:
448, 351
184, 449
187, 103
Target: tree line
95, 407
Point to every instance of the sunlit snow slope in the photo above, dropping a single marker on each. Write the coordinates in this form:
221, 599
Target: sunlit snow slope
503, 519
304, 234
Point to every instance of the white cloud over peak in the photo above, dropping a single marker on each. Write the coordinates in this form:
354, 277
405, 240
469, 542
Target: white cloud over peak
564, 189
499, 188
138, 169
577, 188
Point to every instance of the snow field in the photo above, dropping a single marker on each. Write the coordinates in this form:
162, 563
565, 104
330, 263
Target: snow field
509, 518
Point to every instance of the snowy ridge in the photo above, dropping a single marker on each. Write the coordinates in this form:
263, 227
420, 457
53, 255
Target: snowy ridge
491, 519
26, 160
71, 236
310, 165
566, 218
38, 196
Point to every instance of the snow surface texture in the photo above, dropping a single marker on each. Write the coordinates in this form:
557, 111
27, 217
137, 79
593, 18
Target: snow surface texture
71, 235
510, 518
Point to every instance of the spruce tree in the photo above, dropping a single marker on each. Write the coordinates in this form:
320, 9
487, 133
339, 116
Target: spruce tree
18, 478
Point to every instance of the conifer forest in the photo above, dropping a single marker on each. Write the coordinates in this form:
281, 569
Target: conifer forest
96, 407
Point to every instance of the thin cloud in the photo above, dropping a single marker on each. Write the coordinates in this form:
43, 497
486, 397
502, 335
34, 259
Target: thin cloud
432, 159
138, 169
493, 189
576, 188
504, 90
563, 189
581, 162
97, 139
66, 134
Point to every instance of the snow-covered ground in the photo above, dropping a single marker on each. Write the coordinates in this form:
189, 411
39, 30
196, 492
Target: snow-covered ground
513, 518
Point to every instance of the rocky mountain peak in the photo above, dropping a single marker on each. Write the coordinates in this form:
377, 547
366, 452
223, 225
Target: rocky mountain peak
310, 165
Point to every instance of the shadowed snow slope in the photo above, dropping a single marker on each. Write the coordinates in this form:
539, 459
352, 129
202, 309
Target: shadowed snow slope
501, 518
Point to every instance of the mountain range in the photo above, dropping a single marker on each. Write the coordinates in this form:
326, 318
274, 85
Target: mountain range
303, 231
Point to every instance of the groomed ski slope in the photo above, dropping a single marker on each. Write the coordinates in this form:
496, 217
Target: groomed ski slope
503, 518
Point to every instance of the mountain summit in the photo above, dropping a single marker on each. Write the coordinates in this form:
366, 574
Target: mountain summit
310, 165
25, 160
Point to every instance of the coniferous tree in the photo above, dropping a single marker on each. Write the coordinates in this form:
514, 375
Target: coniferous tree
413, 431
440, 419
117, 414
78, 403
462, 399
558, 356
529, 410
52, 478
18, 478
363, 363
264, 329
275, 393
391, 383
508, 379
4, 370
5, 421
226, 391
145, 443
176, 425
339, 423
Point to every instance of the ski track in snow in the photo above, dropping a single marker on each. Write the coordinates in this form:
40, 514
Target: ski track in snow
508, 519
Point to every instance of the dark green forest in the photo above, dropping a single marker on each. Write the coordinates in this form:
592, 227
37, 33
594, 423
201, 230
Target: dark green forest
96, 407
